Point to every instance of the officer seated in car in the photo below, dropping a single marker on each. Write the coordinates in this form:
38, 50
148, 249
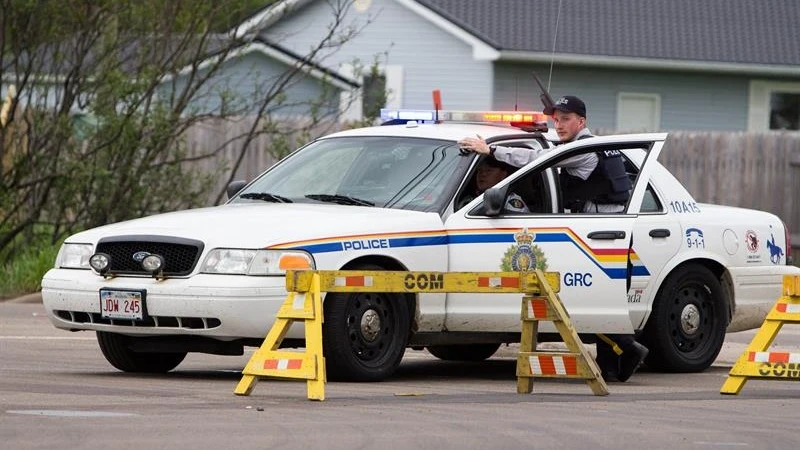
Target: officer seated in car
490, 172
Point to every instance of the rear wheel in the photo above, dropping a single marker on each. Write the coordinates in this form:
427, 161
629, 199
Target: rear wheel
364, 334
687, 327
115, 348
474, 352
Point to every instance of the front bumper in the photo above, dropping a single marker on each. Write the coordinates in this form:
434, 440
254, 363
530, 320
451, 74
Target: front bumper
224, 307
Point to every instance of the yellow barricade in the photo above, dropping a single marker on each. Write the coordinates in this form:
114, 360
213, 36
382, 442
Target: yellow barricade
304, 303
756, 361
577, 363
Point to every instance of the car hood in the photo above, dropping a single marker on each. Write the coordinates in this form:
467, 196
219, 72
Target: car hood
268, 224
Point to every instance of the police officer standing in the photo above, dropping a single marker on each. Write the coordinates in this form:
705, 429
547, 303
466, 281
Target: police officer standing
590, 183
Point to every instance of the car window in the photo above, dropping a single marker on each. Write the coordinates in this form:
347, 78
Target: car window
534, 189
650, 202
389, 172
531, 190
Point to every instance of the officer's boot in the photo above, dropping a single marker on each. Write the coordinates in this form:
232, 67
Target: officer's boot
608, 361
630, 360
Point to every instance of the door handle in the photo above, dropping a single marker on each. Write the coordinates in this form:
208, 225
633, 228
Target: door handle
659, 233
608, 235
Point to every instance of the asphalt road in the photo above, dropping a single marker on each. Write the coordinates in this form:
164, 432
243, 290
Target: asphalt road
57, 391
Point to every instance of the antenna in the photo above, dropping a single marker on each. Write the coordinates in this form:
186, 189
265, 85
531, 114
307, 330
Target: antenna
516, 92
553, 53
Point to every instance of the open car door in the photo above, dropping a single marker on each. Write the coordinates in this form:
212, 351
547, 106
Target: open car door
590, 251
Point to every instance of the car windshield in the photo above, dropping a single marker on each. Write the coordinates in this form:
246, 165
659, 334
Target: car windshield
387, 172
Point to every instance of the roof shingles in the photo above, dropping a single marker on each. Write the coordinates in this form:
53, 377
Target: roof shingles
725, 31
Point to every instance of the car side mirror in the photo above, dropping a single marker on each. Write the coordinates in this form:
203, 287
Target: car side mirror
234, 187
493, 200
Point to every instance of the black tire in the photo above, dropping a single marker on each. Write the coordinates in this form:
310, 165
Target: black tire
115, 348
364, 334
473, 352
687, 326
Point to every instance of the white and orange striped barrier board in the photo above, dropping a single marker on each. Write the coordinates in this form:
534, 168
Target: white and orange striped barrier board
578, 363
757, 362
553, 365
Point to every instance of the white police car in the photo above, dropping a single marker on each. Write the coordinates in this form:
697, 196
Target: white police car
675, 271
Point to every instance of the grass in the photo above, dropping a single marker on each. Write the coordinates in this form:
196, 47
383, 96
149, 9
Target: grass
23, 273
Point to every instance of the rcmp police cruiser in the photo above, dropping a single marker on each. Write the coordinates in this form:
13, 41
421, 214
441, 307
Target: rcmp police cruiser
590, 183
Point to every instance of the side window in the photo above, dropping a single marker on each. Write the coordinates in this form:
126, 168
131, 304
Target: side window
597, 179
534, 191
650, 202
591, 180
525, 195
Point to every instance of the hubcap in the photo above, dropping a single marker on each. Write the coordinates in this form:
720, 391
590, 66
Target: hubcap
690, 319
370, 325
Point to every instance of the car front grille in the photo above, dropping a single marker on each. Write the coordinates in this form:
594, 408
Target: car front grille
180, 255
191, 323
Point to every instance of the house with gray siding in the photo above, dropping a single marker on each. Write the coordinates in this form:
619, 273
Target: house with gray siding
649, 65
251, 71
247, 74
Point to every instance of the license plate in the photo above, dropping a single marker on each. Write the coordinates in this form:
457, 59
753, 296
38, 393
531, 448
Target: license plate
122, 304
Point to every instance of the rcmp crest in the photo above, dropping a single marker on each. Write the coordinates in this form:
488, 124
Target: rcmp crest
524, 255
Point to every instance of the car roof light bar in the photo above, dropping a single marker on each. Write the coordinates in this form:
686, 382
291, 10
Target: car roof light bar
515, 118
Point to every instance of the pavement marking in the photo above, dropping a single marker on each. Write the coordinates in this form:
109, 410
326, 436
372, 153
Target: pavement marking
68, 413
723, 444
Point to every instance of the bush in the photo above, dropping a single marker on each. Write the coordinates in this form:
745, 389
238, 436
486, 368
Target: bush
22, 274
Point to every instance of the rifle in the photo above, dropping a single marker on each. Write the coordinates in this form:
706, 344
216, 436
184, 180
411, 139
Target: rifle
547, 101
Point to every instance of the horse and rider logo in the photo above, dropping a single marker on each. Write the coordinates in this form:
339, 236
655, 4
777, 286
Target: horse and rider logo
775, 252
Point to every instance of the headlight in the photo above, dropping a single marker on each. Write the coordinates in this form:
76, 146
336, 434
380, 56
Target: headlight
74, 256
255, 262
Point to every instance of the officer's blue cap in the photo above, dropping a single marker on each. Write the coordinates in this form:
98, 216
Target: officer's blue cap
568, 103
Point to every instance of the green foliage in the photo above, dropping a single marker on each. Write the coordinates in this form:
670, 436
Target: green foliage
43, 21
106, 91
22, 272
131, 166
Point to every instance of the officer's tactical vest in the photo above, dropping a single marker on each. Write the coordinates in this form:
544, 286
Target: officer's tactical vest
608, 182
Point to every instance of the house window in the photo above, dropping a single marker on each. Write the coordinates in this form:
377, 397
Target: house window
638, 112
374, 94
774, 105
380, 88
784, 111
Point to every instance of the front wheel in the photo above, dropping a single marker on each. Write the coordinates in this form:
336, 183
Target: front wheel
364, 334
687, 326
115, 348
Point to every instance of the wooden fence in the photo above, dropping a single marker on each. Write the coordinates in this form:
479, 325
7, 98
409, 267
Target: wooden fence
225, 139
750, 170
